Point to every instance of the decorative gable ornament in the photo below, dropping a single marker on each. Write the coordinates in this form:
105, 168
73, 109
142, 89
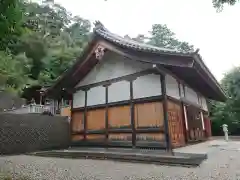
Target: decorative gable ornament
99, 52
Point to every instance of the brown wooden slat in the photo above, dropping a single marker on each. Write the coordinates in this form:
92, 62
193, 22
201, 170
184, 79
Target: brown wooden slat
95, 136
121, 136
176, 125
96, 119
77, 137
77, 121
149, 115
119, 116
150, 137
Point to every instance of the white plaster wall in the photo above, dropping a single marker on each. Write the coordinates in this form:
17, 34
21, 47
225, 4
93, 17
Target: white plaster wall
147, 86
78, 99
119, 91
96, 96
181, 90
172, 87
112, 66
191, 95
204, 103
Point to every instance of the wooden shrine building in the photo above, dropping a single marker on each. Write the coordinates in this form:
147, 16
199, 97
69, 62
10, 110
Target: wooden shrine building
130, 94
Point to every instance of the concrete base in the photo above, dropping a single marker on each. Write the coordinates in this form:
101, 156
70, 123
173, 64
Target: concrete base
129, 155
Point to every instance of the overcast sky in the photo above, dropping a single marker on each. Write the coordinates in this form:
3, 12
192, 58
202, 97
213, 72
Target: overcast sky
195, 21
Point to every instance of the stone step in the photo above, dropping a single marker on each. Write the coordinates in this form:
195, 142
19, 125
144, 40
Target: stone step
127, 156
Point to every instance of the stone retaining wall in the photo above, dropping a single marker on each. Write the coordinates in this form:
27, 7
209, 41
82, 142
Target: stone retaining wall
20, 133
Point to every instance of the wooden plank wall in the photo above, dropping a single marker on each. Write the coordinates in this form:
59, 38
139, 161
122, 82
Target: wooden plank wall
149, 114
96, 119
119, 117
148, 124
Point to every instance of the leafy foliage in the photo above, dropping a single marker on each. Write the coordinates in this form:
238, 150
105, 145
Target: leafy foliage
39, 41
10, 22
162, 36
228, 112
219, 3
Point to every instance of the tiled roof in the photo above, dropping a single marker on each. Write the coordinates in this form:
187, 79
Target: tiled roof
129, 43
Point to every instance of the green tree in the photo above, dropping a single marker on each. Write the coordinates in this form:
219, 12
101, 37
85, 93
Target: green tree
10, 22
228, 112
162, 36
219, 3
52, 33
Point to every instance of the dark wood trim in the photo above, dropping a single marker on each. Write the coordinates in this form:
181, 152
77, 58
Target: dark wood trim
119, 143
184, 90
114, 80
165, 112
159, 129
120, 130
184, 123
132, 115
177, 101
78, 109
71, 117
138, 101
85, 115
127, 129
151, 144
121, 103
185, 102
189, 103
106, 113
148, 99
198, 97
120, 127
179, 88
97, 131
77, 132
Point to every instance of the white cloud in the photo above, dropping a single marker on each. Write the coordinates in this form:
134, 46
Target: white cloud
216, 34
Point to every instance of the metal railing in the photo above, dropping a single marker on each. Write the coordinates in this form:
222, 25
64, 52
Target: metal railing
32, 108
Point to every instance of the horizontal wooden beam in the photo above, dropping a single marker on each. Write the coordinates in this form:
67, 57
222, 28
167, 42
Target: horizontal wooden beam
144, 130
186, 102
121, 103
114, 80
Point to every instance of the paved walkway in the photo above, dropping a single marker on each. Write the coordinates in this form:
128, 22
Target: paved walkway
223, 164
205, 147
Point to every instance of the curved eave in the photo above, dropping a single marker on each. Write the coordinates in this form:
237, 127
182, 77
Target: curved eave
187, 66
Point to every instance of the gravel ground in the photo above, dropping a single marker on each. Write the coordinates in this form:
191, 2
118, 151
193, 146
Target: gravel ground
223, 164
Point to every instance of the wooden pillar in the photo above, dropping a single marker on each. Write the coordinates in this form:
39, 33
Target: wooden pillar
41, 94
184, 90
202, 119
185, 117
71, 114
165, 113
132, 115
179, 89
106, 114
85, 116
